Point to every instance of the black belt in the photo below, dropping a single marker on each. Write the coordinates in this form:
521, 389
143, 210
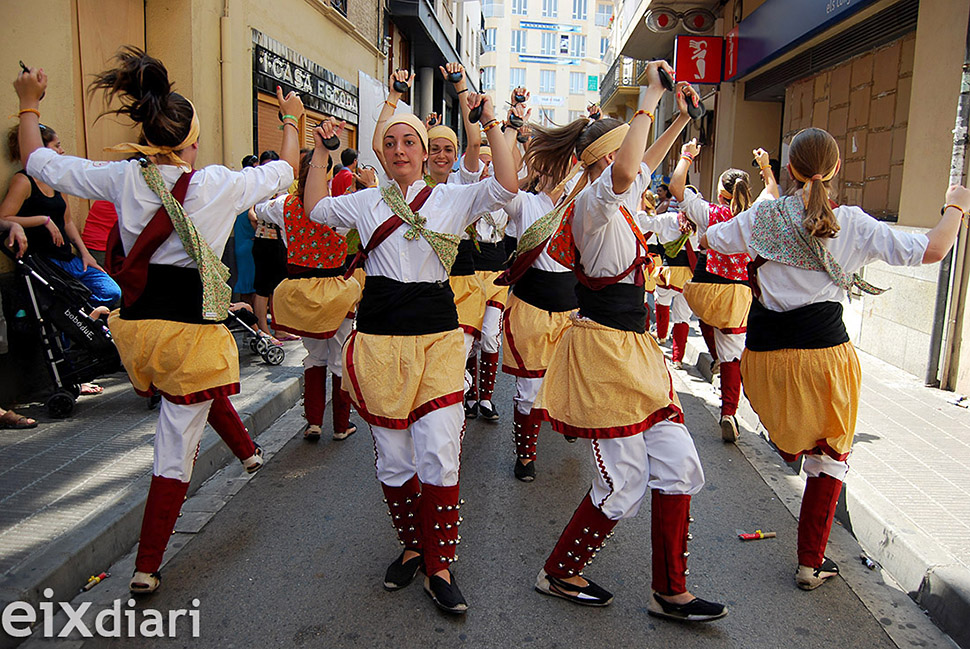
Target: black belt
704, 276
619, 306
547, 290
813, 326
303, 272
391, 308
465, 261
491, 256
171, 293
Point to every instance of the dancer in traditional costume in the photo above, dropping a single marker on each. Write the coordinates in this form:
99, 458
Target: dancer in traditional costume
800, 371
173, 224
405, 361
607, 381
315, 303
718, 292
673, 313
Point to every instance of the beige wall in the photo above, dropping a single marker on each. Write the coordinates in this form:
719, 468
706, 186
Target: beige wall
941, 35
740, 127
306, 26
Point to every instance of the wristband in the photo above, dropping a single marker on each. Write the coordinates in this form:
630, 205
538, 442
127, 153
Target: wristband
490, 125
28, 110
48, 221
686, 156
765, 167
394, 105
943, 209
289, 123
463, 90
285, 117
644, 112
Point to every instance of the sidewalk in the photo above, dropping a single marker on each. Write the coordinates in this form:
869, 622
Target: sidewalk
72, 491
907, 495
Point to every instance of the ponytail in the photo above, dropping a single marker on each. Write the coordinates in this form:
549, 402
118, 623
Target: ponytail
551, 149
813, 160
819, 219
146, 95
737, 183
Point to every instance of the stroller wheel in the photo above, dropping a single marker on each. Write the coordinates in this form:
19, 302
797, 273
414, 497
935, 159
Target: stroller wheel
274, 355
60, 404
261, 346
253, 342
75, 389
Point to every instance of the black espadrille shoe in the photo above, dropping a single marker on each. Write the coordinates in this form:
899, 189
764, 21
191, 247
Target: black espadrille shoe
525, 472
401, 573
446, 596
588, 595
696, 610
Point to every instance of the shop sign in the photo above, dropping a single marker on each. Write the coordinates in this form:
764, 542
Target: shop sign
731, 54
549, 27
697, 59
778, 26
320, 89
592, 83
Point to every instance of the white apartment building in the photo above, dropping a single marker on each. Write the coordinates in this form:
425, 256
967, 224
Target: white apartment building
558, 49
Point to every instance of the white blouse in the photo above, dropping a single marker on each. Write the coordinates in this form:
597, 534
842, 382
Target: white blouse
449, 209
215, 195
524, 210
861, 240
606, 244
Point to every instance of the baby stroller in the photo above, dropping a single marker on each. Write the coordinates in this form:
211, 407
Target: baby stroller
259, 343
77, 348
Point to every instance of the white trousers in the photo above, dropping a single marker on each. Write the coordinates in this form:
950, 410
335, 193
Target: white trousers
491, 330
627, 468
177, 438
328, 352
526, 390
679, 310
729, 346
469, 346
430, 448
816, 465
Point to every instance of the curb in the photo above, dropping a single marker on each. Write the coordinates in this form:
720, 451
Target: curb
110, 534
922, 567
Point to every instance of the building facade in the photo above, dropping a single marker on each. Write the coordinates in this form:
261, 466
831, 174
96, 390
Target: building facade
555, 48
865, 71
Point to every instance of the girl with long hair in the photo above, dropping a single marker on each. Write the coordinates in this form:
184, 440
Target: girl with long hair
800, 370
405, 361
173, 223
315, 302
607, 381
718, 292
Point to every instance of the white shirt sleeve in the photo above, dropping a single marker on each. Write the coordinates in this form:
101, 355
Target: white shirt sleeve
732, 237
256, 184
469, 202
343, 211
697, 209
272, 211
666, 226
602, 203
79, 176
868, 240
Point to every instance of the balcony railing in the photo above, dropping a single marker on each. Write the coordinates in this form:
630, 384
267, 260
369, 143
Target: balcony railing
641, 66
621, 73
339, 5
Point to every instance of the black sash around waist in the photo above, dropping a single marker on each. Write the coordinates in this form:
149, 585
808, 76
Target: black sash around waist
619, 306
465, 261
547, 290
302, 272
171, 293
510, 244
680, 260
491, 256
655, 248
391, 308
813, 326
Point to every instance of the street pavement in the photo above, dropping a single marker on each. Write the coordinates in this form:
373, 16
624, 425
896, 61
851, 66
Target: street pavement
295, 555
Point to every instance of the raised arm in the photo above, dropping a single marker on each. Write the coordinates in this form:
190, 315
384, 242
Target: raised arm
771, 191
473, 133
503, 165
626, 165
30, 87
292, 107
659, 149
317, 186
678, 180
945, 233
387, 110
512, 133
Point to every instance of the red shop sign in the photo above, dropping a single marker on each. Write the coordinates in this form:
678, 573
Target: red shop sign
697, 59
731, 54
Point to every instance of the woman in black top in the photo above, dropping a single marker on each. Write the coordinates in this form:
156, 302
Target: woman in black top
46, 218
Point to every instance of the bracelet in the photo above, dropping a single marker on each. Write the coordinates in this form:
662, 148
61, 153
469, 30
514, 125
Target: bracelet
943, 209
765, 167
310, 164
293, 117
28, 110
293, 124
394, 105
688, 157
644, 112
490, 125
463, 90
48, 221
